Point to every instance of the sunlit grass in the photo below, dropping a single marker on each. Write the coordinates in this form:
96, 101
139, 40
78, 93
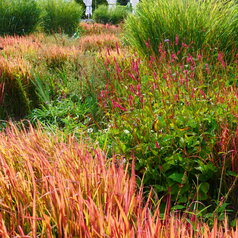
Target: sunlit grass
56, 187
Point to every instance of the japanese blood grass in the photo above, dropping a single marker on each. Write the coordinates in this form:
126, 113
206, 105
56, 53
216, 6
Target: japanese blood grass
59, 188
97, 28
98, 42
23, 61
206, 23
54, 66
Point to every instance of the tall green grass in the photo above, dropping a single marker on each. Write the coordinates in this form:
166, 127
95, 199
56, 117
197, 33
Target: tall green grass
60, 16
113, 16
203, 23
18, 17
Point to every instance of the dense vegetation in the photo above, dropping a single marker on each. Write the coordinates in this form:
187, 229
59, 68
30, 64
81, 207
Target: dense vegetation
18, 17
154, 108
111, 16
21, 17
205, 24
60, 16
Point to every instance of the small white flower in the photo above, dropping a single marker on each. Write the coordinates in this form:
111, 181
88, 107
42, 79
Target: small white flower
90, 130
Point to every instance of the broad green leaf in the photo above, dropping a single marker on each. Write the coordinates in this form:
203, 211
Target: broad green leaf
177, 177
178, 207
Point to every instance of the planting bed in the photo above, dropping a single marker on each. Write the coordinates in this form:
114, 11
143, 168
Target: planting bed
110, 133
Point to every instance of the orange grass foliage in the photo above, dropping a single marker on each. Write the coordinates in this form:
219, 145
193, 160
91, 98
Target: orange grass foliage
52, 187
34, 48
97, 42
97, 28
20, 57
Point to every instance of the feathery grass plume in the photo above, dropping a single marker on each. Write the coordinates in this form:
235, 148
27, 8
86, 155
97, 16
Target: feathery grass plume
56, 187
19, 17
206, 23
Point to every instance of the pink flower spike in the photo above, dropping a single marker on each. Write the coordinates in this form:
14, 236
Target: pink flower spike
131, 98
117, 48
199, 57
184, 45
174, 56
207, 68
117, 105
220, 58
157, 145
147, 44
176, 40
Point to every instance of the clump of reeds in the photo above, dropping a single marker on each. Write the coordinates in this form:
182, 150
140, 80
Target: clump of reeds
60, 16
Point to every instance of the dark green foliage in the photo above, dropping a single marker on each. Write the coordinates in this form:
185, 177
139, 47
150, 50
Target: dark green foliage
114, 16
60, 16
18, 17
19, 96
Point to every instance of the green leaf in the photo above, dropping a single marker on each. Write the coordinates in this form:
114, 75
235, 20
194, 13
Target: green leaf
183, 199
160, 188
204, 187
178, 207
177, 177
231, 173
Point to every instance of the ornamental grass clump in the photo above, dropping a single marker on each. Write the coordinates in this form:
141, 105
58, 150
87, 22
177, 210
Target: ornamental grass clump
19, 17
112, 16
98, 42
18, 96
60, 16
97, 28
204, 23
29, 72
58, 187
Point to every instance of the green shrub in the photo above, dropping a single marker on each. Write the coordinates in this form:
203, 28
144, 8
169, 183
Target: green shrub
71, 115
212, 23
18, 17
61, 16
114, 16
